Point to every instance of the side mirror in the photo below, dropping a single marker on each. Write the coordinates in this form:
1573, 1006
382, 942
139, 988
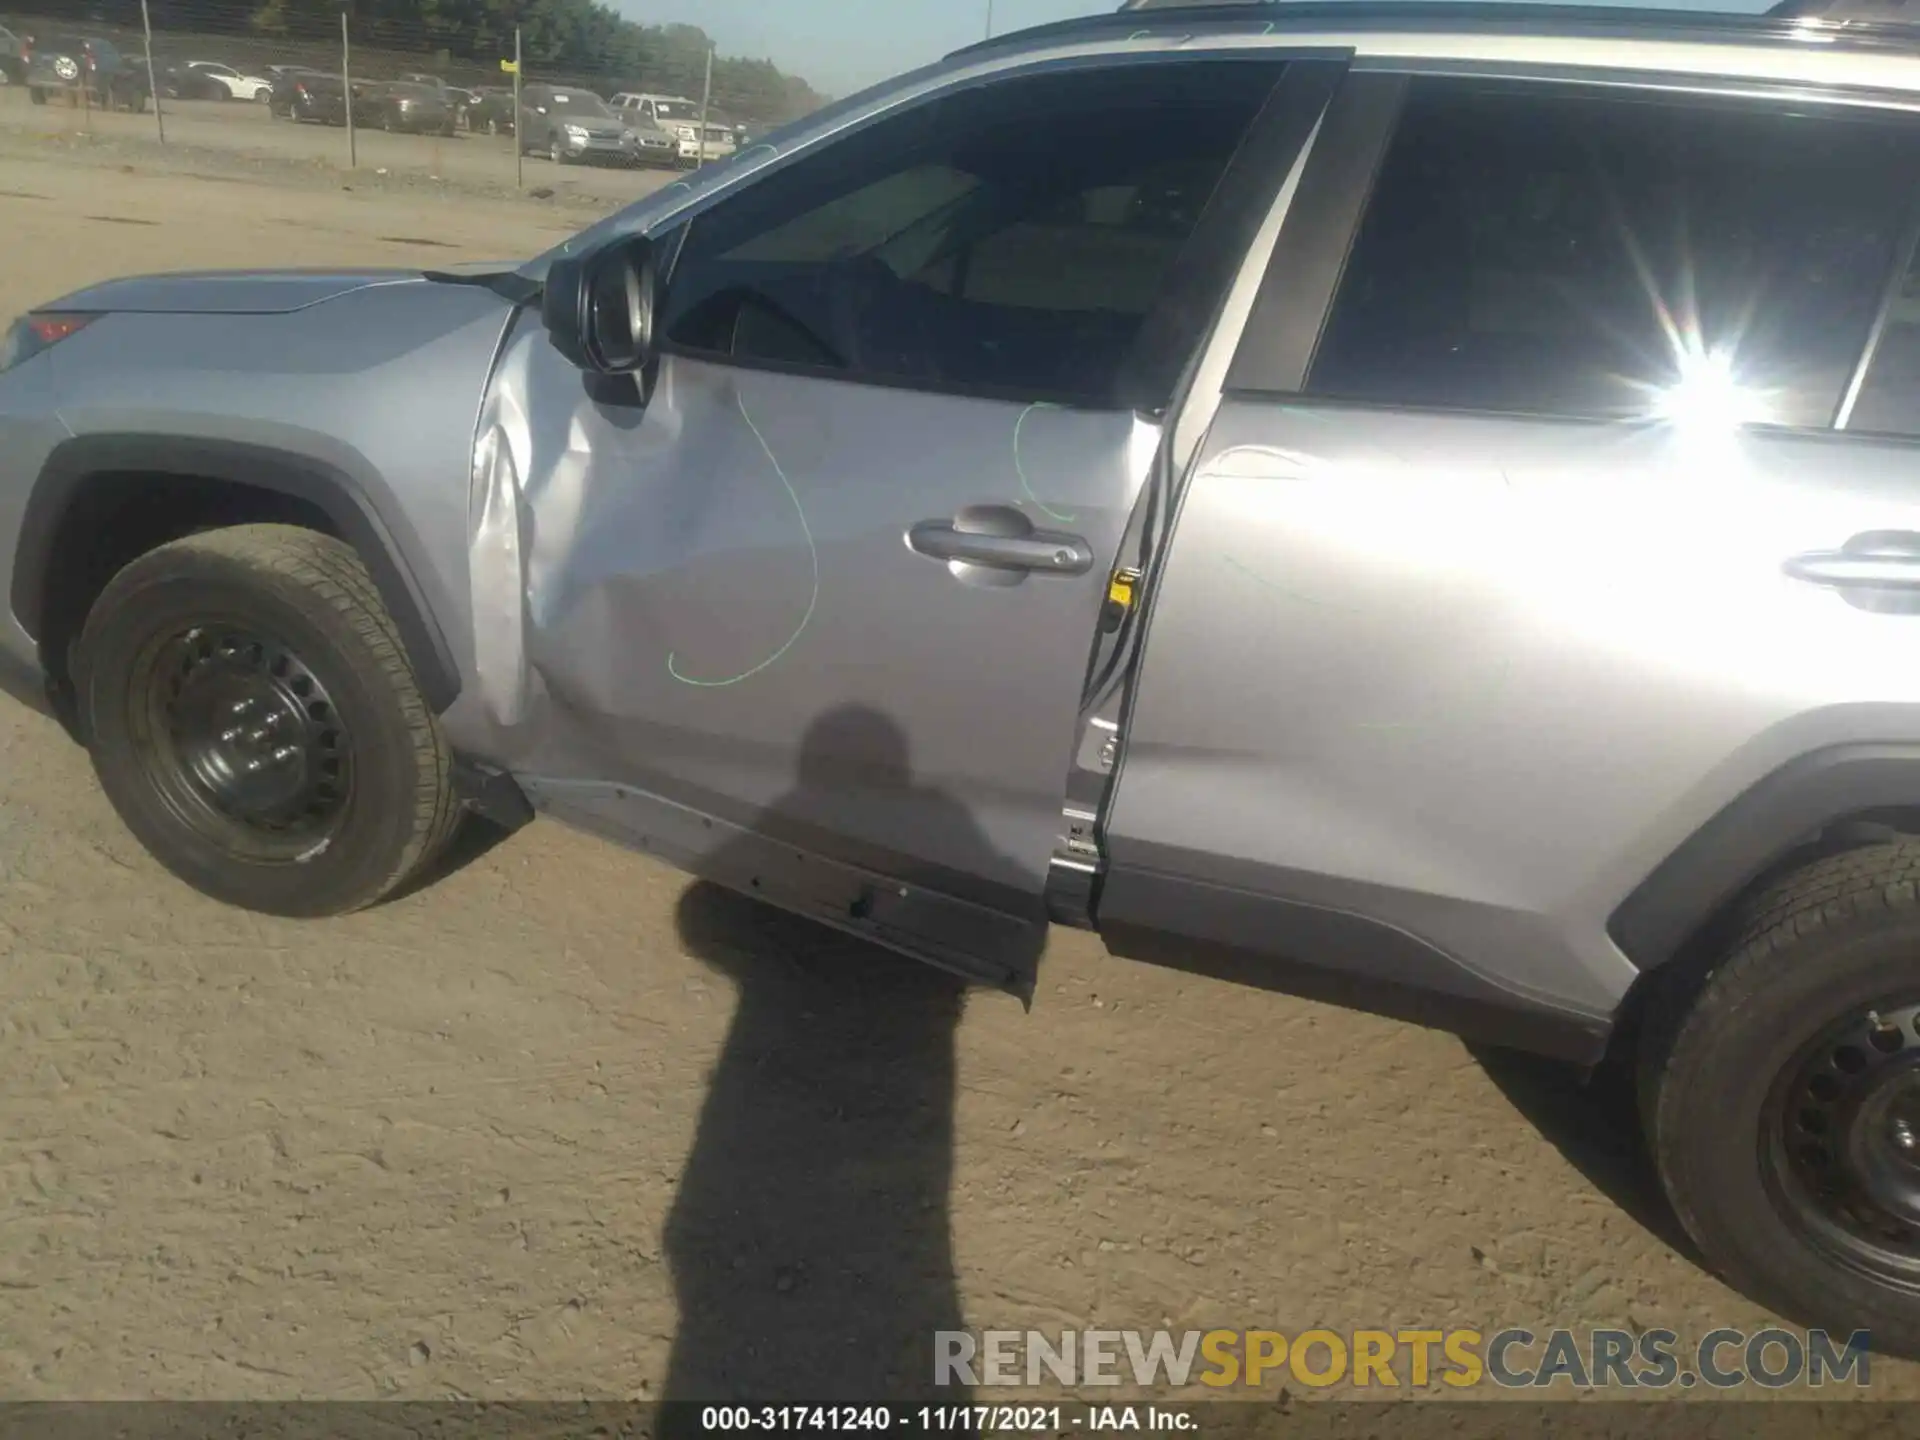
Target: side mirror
598, 307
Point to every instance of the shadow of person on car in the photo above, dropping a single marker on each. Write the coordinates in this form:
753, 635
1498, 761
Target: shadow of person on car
1594, 1122
808, 1240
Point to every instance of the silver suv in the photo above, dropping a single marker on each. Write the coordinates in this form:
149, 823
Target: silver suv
1412, 504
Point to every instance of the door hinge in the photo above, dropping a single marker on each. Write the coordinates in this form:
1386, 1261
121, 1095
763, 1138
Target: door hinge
1073, 874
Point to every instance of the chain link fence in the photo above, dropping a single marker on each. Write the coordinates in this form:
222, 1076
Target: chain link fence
392, 93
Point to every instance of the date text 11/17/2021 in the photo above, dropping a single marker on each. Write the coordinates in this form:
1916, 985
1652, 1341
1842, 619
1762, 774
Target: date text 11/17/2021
958, 1419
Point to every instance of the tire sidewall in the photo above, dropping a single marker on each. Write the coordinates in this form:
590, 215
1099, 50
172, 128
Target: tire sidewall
163, 595
1707, 1122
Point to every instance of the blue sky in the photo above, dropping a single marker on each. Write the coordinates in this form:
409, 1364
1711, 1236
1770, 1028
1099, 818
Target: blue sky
841, 45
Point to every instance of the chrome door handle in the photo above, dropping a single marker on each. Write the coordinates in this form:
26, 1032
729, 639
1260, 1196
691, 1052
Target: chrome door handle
1000, 538
1878, 560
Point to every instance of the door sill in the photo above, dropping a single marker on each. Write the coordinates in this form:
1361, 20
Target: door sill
982, 945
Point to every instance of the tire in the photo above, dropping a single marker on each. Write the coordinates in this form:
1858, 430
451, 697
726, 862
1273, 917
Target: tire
290, 618
556, 152
493, 127
36, 95
1782, 1077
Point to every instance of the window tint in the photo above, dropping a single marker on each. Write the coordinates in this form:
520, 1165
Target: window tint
1010, 237
1617, 257
1889, 401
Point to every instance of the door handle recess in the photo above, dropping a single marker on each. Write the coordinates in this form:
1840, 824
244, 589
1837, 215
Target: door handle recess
1000, 538
1878, 560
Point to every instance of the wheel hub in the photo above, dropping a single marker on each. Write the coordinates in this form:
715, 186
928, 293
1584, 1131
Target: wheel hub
1848, 1131
253, 734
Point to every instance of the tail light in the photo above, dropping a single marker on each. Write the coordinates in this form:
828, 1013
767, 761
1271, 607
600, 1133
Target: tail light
34, 333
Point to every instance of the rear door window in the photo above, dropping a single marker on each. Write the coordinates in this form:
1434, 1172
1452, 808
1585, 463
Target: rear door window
1536, 249
1889, 399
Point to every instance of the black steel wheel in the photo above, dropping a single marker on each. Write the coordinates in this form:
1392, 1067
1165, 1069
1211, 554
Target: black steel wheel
254, 718
1843, 1141
243, 741
1780, 1089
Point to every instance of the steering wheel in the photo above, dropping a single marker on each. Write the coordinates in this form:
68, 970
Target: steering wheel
868, 306
743, 298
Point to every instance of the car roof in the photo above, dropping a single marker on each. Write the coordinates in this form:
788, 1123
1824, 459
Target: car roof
1842, 43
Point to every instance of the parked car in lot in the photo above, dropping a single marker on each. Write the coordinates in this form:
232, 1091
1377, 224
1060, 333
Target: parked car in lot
84, 69
285, 78
318, 98
1283, 492
680, 118
209, 79
492, 111
13, 58
573, 126
406, 106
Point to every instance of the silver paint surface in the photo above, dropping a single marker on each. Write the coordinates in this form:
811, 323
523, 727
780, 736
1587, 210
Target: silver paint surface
671, 594
380, 381
1477, 676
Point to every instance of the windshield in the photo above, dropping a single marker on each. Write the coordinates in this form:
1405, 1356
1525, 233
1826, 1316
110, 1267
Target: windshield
676, 109
414, 92
578, 102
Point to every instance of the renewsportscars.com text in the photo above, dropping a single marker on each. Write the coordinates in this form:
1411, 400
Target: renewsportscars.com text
1512, 1358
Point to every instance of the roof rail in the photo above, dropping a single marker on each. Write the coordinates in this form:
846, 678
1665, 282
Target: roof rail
1865, 24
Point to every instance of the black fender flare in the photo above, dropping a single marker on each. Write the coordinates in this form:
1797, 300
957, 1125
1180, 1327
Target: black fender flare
382, 540
1756, 830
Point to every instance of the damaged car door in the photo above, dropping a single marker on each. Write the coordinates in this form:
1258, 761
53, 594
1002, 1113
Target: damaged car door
808, 610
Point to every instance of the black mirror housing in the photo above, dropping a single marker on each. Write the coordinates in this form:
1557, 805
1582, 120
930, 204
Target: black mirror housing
599, 307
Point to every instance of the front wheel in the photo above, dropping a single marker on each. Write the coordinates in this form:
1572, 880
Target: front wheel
254, 719
557, 153
1781, 1093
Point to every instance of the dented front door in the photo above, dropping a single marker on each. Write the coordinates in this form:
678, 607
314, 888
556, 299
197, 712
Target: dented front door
812, 614
824, 641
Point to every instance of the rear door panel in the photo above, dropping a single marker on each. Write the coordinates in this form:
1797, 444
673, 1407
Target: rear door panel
1427, 691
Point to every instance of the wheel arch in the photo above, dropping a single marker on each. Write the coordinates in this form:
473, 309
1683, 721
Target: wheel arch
88, 477
1823, 801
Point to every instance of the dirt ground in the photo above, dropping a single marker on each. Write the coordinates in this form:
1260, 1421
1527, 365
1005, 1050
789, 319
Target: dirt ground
522, 1132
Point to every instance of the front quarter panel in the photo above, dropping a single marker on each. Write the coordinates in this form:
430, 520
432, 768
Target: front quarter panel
29, 432
380, 387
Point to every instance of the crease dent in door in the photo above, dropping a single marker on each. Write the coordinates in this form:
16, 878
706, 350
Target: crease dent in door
637, 533
496, 548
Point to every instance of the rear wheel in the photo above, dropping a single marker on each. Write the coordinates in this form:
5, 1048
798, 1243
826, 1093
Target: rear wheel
1781, 1093
253, 718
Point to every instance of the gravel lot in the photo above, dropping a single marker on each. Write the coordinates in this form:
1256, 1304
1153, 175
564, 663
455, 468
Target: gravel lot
517, 1133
